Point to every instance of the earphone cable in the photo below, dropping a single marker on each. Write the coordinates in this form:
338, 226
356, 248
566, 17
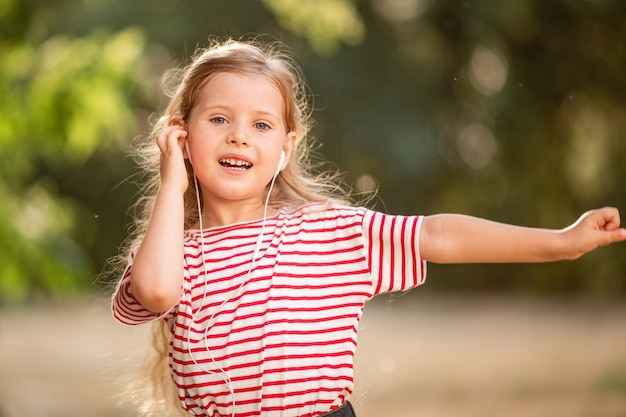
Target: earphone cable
220, 371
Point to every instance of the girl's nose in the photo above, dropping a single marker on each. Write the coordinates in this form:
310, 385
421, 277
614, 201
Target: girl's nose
238, 136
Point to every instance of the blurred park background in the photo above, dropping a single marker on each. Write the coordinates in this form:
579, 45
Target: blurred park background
514, 111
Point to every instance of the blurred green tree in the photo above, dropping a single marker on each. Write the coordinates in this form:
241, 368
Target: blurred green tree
61, 101
511, 111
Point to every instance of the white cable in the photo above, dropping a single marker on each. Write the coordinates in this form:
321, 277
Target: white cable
257, 248
222, 373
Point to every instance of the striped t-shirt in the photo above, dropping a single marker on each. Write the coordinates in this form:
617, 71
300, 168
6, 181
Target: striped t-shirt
279, 339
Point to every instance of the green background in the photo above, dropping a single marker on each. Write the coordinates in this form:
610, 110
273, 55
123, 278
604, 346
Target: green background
513, 111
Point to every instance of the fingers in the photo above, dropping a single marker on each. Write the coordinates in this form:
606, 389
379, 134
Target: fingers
607, 219
618, 235
170, 139
595, 228
171, 142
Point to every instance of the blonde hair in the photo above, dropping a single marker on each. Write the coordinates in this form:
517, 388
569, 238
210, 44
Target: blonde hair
295, 186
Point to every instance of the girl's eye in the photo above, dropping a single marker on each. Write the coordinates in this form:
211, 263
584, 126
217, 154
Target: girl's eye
218, 120
262, 126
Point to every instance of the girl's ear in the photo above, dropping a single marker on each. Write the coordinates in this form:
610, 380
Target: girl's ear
177, 121
289, 147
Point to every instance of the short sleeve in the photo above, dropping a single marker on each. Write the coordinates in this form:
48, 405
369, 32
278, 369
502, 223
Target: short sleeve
125, 307
392, 244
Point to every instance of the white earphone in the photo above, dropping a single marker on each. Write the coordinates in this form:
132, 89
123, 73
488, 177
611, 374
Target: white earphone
188, 152
280, 162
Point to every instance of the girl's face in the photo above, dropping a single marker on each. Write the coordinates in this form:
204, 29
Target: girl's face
236, 132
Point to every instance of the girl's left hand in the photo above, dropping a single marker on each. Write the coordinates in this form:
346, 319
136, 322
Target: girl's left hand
595, 228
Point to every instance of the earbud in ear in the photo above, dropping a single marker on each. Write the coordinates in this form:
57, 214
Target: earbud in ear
280, 163
188, 152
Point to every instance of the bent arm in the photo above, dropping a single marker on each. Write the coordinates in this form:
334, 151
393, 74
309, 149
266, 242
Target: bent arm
454, 238
157, 273
157, 270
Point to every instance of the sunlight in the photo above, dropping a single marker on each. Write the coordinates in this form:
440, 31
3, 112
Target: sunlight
477, 145
488, 70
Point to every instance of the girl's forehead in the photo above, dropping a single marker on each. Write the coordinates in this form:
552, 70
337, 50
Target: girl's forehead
239, 89
225, 82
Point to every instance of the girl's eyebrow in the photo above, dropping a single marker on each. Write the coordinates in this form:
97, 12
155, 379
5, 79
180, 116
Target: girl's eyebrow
225, 107
206, 108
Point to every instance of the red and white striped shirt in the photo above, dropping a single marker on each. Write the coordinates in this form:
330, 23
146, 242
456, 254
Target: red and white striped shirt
284, 334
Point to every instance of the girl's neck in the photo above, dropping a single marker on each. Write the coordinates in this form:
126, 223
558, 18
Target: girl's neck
224, 214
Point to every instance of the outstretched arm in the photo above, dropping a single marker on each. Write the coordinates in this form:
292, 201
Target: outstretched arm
453, 238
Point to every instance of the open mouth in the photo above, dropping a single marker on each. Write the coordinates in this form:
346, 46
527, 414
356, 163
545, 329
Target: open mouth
236, 164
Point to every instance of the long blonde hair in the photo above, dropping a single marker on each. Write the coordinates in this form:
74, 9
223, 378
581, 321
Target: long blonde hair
295, 186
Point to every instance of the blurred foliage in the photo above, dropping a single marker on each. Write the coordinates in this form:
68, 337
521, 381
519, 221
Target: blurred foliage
325, 23
62, 100
513, 111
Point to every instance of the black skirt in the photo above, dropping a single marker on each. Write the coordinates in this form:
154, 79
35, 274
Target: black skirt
345, 410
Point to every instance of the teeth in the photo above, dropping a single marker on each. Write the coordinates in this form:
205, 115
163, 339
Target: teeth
235, 163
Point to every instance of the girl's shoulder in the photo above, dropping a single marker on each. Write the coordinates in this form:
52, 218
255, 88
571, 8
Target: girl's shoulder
324, 217
321, 210
307, 213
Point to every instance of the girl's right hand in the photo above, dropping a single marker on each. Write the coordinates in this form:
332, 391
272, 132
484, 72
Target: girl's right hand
171, 141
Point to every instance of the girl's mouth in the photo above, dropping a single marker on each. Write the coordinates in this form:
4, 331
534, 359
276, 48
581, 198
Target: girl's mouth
236, 164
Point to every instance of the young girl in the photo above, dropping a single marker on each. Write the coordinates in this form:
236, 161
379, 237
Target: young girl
256, 271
